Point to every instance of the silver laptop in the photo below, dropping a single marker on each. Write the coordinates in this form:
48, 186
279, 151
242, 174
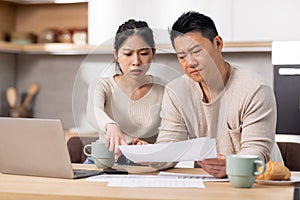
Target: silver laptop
36, 147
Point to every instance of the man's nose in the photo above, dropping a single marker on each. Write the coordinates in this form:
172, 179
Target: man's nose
191, 61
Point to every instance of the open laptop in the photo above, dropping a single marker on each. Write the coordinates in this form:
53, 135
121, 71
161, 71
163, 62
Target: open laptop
36, 147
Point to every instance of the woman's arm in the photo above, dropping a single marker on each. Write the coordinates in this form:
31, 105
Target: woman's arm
99, 119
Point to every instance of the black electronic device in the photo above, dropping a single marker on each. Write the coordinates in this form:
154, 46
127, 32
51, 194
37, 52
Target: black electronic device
114, 171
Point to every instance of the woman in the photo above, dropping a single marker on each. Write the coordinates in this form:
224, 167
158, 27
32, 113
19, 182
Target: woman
127, 105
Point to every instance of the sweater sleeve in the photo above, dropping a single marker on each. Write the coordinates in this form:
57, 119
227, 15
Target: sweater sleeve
95, 107
172, 128
259, 123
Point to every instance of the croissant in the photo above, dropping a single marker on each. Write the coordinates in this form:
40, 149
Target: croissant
274, 171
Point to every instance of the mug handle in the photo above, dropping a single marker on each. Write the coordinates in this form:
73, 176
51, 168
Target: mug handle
84, 150
261, 163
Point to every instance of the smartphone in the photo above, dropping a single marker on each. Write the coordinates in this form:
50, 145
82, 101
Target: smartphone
114, 171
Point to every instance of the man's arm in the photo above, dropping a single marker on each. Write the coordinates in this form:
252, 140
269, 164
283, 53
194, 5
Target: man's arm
172, 128
259, 123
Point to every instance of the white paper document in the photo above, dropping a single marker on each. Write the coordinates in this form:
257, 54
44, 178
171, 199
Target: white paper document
203, 177
188, 150
148, 181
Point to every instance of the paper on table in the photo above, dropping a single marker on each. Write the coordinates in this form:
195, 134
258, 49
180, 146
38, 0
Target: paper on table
147, 181
158, 182
188, 150
203, 177
108, 177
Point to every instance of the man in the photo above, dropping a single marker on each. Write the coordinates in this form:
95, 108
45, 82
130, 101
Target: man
214, 98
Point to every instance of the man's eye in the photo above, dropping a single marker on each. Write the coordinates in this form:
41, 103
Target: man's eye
198, 51
144, 53
181, 56
127, 54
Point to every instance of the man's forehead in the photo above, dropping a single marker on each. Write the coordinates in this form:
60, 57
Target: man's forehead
185, 42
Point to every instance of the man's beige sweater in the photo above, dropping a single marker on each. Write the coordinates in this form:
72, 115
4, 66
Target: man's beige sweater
242, 119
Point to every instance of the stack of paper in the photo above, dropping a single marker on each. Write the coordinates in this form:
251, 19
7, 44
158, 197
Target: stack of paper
188, 150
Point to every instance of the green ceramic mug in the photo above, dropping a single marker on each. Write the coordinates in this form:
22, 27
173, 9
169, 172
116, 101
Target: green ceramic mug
102, 157
243, 169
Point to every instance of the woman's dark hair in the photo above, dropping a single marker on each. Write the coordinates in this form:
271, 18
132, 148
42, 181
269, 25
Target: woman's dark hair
194, 22
132, 27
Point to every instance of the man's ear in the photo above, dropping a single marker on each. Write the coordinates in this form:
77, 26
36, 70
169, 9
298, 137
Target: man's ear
218, 42
154, 51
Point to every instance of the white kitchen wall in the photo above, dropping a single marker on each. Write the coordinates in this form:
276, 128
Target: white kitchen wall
266, 20
236, 20
106, 16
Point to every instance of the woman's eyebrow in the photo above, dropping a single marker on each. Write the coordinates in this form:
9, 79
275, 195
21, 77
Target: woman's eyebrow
127, 49
131, 49
144, 48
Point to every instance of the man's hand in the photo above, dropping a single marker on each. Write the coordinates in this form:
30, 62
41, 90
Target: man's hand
114, 138
137, 141
214, 166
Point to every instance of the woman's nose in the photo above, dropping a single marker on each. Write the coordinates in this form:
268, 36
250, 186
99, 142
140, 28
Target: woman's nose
136, 60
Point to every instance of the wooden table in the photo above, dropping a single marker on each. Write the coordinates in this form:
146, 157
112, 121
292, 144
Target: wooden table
30, 188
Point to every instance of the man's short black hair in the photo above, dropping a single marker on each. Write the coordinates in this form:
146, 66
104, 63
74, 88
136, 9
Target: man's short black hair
194, 22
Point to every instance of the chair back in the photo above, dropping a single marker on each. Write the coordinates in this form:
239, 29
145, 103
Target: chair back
290, 152
75, 146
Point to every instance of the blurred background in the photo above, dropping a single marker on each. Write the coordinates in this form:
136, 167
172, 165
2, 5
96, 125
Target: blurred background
63, 45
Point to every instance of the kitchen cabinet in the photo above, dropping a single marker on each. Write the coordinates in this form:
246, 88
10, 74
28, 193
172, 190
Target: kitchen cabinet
23, 64
35, 18
7, 17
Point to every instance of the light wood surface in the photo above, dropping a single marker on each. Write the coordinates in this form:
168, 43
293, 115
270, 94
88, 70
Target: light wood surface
36, 18
63, 48
24, 187
7, 17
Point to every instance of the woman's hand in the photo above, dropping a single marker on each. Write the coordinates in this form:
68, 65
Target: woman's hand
114, 138
214, 166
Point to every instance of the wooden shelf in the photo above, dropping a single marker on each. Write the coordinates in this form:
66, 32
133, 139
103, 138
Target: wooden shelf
228, 47
73, 49
45, 1
58, 49
51, 48
247, 46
